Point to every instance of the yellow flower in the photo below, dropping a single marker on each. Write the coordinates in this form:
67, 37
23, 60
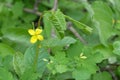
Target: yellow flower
82, 56
35, 35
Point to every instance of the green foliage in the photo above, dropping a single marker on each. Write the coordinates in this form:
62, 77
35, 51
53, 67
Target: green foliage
6, 50
81, 40
47, 24
81, 75
103, 17
116, 46
18, 36
18, 9
30, 58
57, 42
4, 73
103, 76
58, 64
18, 63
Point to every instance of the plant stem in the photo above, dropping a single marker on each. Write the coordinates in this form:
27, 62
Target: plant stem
36, 56
49, 76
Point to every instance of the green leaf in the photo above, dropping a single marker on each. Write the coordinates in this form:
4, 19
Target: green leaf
17, 9
97, 57
1, 61
84, 69
75, 49
30, 56
5, 50
64, 76
105, 51
58, 20
102, 76
29, 74
1, 7
81, 74
18, 63
116, 4
47, 24
89, 65
9, 1
116, 46
5, 75
59, 62
61, 68
28, 19
67, 41
18, 38
80, 25
103, 17
7, 62
17, 35
60, 58
55, 42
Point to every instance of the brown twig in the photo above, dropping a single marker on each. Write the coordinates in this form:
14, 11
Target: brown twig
55, 5
35, 9
112, 74
72, 29
32, 11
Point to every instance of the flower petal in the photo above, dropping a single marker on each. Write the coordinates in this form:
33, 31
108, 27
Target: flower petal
33, 39
38, 31
31, 32
40, 37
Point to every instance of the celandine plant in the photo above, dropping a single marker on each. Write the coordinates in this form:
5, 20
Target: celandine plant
80, 41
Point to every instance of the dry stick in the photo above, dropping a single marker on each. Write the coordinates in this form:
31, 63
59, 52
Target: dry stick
55, 5
72, 29
113, 74
32, 11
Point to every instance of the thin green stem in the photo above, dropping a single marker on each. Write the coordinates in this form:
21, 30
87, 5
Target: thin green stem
36, 56
39, 21
49, 76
